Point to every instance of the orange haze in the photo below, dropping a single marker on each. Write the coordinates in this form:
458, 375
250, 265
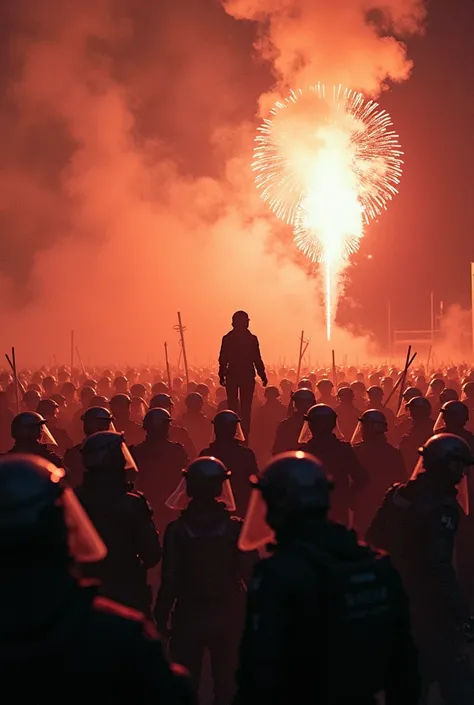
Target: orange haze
105, 229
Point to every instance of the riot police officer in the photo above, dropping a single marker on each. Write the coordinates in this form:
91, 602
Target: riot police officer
58, 640
124, 520
327, 619
177, 434
94, 419
338, 457
417, 523
204, 576
239, 460
289, 430
420, 428
32, 436
160, 462
383, 463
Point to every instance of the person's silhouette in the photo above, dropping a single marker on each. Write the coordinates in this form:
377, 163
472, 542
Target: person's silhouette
239, 359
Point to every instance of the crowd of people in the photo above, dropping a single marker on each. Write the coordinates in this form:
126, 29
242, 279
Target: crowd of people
229, 514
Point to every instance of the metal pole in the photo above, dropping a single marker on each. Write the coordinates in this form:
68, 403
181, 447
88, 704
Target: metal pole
300, 357
183, 347
168, 372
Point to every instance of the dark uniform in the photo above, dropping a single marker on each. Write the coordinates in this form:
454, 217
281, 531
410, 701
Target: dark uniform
384, 466
327, 619
288, 433
59, 642
35, 448
204, 577
74, 465
124, 520
415, 437
239, 359
343, 465
160, 463
178, 434
417, 524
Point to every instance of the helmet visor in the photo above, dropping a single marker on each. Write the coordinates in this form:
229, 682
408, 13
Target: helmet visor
463, 489
306, 435
47, 437
440, 424
130, 464
357, 435
180, 499
85, 544
255, 531
239, 434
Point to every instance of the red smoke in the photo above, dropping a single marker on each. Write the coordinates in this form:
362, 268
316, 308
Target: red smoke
126, 190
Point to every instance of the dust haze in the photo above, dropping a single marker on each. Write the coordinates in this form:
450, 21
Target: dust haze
126, 190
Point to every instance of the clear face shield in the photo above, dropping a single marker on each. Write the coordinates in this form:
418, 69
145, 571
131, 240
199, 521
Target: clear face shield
462, 487
255, 533
47, 437
180, 499
439, 424
238, 435
377, 427
306, 435
130, 464
103, 456
85, 544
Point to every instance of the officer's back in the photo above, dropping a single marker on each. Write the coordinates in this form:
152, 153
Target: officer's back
326, 618
59, 642
123, 519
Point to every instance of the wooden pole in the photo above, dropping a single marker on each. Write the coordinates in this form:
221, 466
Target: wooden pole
80, 361
168, 371
404, 376
300, 357
15, 374
183, 347
428, 360
399, 381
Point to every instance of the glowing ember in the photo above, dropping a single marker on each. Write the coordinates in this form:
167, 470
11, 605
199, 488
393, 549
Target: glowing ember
327, 162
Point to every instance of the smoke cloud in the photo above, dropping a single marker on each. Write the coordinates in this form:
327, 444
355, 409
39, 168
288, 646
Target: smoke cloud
353, 42
125, 187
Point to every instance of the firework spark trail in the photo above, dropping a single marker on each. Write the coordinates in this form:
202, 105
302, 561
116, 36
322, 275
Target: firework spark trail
327, 162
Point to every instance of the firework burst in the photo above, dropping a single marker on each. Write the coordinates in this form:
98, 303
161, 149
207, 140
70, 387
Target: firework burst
327, 162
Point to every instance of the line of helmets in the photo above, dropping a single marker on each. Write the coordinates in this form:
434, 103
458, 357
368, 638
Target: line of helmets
292, 481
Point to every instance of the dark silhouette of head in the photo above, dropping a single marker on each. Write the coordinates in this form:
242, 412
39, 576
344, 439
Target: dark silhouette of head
240, 320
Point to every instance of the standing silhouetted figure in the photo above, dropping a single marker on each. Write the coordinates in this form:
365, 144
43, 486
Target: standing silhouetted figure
239, 359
